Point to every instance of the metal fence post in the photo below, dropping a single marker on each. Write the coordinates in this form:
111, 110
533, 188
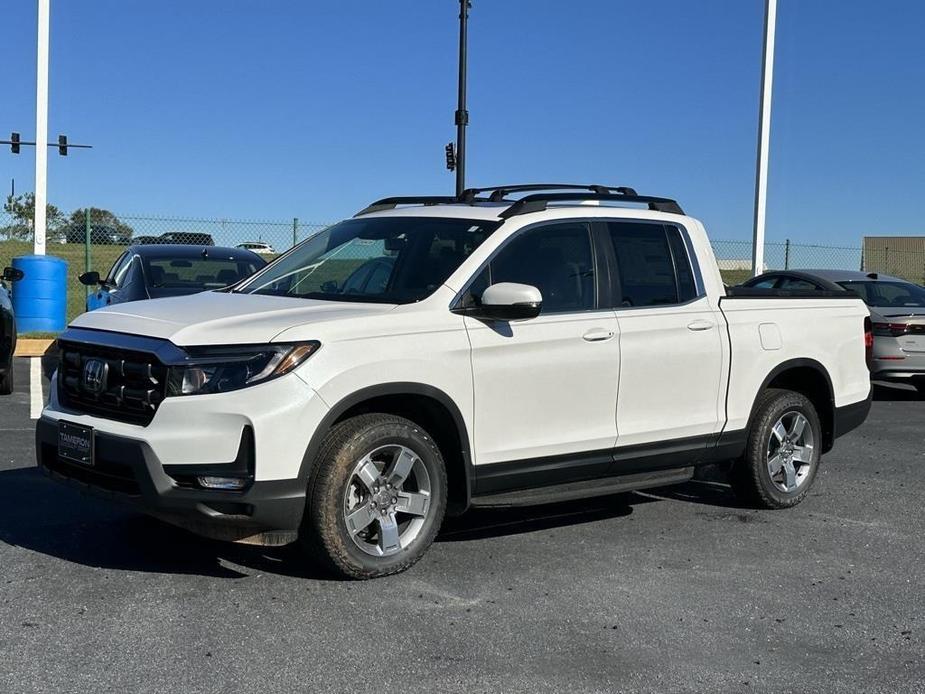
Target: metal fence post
87, 244
295, 230
786, 254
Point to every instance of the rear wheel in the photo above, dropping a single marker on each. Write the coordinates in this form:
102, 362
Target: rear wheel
376, 498
783, 451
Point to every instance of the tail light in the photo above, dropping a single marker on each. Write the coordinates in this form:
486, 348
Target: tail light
890, 329
868, 342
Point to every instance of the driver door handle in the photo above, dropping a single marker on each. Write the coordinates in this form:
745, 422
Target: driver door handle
597, 335
698, 325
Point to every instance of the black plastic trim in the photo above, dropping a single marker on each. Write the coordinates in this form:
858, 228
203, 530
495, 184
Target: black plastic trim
658, 455
167, 352
383, 389
265, 507
608, 464
242, 467
784, 366
850, 417
771, 293
541, 472
540, 201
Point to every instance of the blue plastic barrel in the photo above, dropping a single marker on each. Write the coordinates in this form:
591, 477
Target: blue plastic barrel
40, 297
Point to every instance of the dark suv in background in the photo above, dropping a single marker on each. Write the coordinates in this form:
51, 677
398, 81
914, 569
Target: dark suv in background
101, 234
7, 330
186, 238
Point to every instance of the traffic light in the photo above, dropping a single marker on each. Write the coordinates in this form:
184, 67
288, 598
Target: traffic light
14, 143
62, 145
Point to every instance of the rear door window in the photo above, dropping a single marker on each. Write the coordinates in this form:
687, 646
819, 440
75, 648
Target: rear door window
653, 267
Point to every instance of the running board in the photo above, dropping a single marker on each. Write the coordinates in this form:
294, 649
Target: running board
585, 489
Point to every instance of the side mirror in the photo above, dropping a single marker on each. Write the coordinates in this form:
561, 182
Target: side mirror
506, 301
91, 279
11, 274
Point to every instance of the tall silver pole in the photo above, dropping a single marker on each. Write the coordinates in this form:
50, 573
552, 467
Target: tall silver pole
41, 128
462, 115
764, 137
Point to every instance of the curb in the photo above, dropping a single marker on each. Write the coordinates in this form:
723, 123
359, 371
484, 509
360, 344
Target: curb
31, 347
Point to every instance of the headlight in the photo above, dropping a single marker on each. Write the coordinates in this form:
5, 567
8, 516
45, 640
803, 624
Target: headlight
221, 369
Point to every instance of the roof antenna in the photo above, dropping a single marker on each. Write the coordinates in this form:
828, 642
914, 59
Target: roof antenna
457, 160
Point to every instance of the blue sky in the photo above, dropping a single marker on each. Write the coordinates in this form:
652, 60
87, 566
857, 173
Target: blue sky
277, 109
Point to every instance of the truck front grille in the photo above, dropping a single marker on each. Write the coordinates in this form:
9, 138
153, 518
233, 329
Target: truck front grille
119, 384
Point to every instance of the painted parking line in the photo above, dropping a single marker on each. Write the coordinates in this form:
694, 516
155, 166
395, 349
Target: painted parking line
36, 398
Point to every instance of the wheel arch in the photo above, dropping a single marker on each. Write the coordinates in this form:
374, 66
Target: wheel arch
811, 379
424, 404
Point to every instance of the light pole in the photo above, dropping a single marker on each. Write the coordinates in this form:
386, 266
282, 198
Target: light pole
764, 137
41, 128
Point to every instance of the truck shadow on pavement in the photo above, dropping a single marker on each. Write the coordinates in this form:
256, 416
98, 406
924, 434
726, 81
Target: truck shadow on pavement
43, 517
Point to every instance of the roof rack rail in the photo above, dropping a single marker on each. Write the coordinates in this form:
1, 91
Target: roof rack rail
540, 201
498, 193
536, 202
392, 203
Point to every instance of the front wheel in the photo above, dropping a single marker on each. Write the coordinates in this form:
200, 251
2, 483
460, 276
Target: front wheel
376, 498
783, 451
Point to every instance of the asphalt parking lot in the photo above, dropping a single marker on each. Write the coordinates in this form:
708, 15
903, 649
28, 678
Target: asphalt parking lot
678, 590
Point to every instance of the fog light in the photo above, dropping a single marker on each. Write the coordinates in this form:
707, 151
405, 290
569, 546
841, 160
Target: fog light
232, 483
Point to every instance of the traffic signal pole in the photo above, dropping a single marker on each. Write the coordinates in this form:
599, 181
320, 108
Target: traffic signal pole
462, 115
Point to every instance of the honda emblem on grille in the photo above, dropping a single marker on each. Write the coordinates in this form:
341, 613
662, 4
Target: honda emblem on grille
94, 376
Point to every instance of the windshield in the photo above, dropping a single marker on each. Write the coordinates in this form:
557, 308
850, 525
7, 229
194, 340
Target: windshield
196, 273
393, 260
888, 294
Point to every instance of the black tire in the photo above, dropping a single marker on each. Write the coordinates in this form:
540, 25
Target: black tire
324, 535
751, 478
6, 381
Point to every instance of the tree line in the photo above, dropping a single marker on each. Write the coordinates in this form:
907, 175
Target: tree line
59, 227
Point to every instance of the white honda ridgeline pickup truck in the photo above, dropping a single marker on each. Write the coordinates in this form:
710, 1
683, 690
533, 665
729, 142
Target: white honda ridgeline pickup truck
516, 345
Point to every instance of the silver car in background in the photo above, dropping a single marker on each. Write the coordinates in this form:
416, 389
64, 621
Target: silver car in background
897, 311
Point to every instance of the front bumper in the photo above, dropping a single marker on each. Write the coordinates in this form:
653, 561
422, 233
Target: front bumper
127, 470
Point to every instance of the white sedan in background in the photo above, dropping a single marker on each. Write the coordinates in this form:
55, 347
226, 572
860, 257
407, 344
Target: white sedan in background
258, 247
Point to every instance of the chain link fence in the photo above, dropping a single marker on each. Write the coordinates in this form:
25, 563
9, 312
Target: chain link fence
92, 239
735, 259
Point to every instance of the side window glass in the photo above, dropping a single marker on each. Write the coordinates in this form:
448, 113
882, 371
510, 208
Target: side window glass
767, 283
122, 271
556, 259
687, 287
116, 266
645, 265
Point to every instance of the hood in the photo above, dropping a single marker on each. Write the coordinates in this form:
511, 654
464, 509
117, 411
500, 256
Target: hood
221, 318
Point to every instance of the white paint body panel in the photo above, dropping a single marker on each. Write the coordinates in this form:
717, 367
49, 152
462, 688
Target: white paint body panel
672, 377
541, 390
